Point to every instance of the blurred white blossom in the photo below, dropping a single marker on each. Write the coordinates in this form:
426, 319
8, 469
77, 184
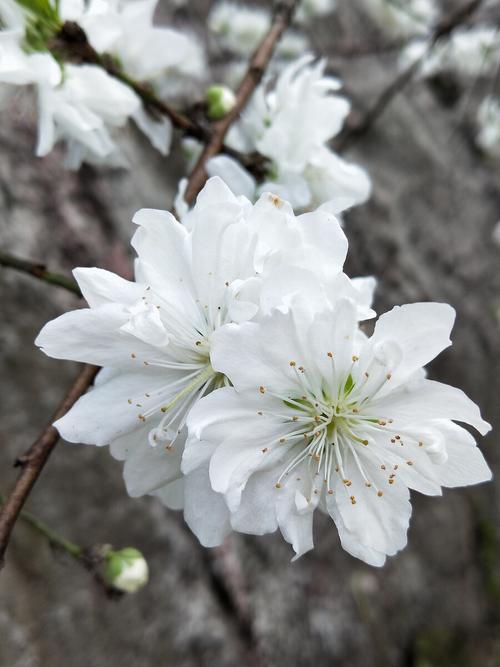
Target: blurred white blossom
469, 52
81, 104
144, 50
78, 105
239, 28
402, 18
290, 124
311, 9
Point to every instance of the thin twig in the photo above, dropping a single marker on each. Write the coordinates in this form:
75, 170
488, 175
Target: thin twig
257, 66
90, 558
443, 29
53, 538
39, 271
33, 461
35, 458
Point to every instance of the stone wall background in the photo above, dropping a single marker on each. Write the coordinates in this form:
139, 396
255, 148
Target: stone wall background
426, 235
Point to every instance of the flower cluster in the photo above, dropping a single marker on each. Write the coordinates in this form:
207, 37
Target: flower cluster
81, 104
239, 384
302, 169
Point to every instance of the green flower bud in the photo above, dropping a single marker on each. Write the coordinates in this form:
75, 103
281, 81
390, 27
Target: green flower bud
126, 570
220, 100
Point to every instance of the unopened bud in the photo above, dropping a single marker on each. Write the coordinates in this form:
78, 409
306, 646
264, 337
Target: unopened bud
220, 100
126, 570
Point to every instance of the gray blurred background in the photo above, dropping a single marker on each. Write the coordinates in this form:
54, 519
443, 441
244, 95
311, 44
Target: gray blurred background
426, 235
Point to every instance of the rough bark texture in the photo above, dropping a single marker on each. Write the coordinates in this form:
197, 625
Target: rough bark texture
426, 235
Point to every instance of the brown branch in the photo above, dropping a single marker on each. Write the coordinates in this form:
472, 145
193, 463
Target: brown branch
257, 66
39, 271
33, 461
444, 28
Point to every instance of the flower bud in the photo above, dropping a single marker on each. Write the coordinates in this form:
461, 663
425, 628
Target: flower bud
220, 100
126, 570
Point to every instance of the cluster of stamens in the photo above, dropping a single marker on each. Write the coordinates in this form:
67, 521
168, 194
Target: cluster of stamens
330, 426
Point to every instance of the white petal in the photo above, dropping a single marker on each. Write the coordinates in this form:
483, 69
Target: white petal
296, 527
233, 174
352, 545
158, 131
259, 355
282, 286
336, 184
257, 514
214, 192
205, 511
147, 326
379, 523
422, 331
235, 460
93, 336
465, 464
426, 400
291, 187
149, 468
105, 413
100, 287
172, 494
325, 243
